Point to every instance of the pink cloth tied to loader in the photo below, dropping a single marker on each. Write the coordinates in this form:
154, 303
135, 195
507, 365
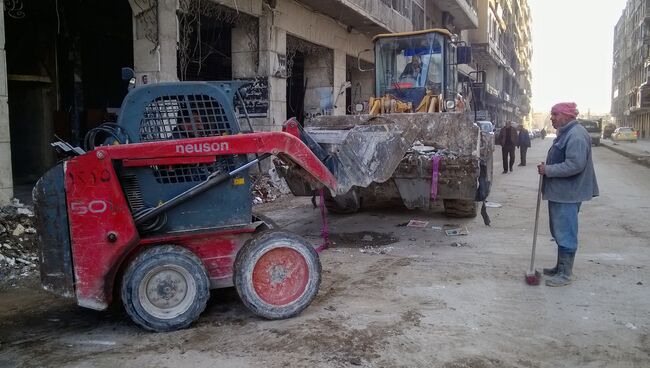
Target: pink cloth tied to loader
435, 169
325, 230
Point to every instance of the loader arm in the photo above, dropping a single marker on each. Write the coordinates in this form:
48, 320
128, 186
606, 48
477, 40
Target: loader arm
202, 150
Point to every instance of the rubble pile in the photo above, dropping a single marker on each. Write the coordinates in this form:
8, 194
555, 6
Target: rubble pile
430, 151
18, 246
268, 187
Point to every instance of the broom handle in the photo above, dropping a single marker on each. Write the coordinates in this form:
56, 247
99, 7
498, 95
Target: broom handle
539, 200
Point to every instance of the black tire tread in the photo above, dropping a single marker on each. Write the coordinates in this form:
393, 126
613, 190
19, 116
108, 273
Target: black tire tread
458, 208
127, 292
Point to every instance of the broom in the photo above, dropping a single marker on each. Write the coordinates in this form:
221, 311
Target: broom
533, 276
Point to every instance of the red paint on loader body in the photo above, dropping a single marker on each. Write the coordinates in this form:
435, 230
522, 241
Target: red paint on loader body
98, 212
280, 276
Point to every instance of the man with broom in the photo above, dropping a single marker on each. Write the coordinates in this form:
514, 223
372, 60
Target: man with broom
568, 180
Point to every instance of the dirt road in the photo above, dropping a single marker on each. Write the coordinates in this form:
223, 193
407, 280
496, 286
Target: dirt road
397, 296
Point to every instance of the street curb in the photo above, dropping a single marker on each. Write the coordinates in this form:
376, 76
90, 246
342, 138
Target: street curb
642, 160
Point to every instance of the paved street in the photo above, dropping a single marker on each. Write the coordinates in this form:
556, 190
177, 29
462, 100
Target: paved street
396, 296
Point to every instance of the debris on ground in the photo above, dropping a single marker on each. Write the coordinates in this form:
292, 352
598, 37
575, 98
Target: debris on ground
367, 237
417, 223
268, 187
361, 239
457, 231
355, 361
18, 246
375, 250
493, 204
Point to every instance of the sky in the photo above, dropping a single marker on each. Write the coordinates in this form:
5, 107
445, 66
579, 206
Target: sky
572, 52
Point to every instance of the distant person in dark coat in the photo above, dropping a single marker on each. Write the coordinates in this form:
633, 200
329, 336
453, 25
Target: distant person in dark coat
523, 143
508, 140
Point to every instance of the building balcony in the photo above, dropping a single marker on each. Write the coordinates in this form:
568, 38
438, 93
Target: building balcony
488, 53
464, 13
373, 16
370, 17
491, 90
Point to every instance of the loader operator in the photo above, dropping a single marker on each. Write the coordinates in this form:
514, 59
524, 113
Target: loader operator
412, 69
189, 128
569, 179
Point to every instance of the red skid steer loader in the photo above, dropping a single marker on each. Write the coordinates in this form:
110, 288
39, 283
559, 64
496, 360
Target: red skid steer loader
159, 211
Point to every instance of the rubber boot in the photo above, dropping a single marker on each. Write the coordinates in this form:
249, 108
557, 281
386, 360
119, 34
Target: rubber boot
564, 272
552, 271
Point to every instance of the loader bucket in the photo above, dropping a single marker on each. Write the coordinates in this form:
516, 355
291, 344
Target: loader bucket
364, 149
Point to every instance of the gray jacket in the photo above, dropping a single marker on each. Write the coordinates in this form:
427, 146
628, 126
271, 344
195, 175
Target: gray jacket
570, 175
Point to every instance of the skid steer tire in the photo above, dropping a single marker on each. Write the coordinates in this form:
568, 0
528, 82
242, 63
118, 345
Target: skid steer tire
165, 288
460, 208
277, 274
344, 203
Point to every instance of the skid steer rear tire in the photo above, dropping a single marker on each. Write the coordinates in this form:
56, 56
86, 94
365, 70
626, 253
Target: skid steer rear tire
343, 203
165, 288
460, 208
277, 274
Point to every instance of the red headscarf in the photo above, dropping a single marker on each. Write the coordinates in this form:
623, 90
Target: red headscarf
566, 108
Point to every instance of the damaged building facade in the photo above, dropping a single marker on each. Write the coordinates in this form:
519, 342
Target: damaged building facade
502, 46
631, 68
302, 56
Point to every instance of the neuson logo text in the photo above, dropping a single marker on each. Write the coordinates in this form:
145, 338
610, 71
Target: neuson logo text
202, 147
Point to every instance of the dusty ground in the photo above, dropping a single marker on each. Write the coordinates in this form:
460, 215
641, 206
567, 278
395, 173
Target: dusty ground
408, 298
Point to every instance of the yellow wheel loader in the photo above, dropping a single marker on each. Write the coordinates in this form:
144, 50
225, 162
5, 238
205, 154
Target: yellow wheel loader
418, 142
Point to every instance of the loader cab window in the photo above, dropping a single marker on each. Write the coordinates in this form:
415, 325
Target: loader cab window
407, 66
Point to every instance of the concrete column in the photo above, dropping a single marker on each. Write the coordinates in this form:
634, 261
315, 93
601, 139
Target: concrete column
273, 48
340, 78
6, 179
155, 38
245, 55
363, 84
319, 96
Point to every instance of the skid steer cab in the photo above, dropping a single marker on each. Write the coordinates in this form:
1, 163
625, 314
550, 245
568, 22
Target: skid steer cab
157, 209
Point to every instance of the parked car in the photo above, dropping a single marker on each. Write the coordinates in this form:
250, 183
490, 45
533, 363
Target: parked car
624, 134
594, 130
486, 126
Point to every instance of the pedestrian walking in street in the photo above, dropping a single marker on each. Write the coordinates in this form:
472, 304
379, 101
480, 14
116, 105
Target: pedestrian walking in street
569, 179
523, 142
508, 140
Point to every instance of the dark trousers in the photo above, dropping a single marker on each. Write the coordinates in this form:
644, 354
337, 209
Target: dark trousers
508, 162
522, 154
